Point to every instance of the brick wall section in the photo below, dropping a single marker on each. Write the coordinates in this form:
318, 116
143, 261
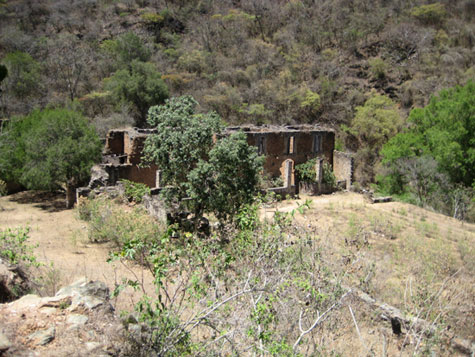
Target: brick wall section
278, 144
146, 175
128, 143
343, 164
276, 148
136, 146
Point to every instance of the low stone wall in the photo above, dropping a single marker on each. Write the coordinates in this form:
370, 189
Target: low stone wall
315, 188
283, 191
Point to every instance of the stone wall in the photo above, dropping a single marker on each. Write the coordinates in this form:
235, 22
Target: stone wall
281, 146
296, 144
123, 156
343, 164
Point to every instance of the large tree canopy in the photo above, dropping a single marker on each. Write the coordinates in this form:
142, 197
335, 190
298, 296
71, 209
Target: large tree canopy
49, 149
443, 130
203, 171
140, 85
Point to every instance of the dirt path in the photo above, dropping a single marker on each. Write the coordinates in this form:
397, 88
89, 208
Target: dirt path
61, 239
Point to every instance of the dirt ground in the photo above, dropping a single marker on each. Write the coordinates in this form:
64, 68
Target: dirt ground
61, 240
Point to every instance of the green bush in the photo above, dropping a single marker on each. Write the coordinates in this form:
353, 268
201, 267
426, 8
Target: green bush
135, 191
378, 68
14, 249
328, 175
109, 222
306, 172
429, 14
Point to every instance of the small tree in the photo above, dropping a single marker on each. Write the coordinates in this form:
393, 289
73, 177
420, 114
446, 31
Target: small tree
203, 171
140, 85
126, 48
23, 74
374, 124
56, 150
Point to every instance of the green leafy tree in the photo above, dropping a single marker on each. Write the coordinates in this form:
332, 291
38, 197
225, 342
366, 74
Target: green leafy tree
443, 130
57, 149
23, 74
140, 85
13, 139
125, 49
203, 171
228, 180
374, 124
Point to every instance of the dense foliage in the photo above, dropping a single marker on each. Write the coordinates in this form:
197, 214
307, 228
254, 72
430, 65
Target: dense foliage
218, 174
140, 85
306, 172
437, 150
374, 124
48, 149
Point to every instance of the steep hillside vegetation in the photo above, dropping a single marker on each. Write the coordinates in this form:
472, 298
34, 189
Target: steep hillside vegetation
257, 61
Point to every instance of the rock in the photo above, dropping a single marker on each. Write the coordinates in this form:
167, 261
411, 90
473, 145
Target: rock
91, 346
79, 316
77, 319
5, 343
89, 302
43, 337
84, 287
13, 281
48, 310
30, 302
89, 294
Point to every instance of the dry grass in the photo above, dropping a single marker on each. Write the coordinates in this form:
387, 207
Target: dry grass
413, 259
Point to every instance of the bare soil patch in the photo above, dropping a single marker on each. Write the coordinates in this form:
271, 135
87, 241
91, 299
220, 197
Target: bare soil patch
61, 240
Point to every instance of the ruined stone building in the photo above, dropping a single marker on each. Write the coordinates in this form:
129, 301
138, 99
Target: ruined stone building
283, 147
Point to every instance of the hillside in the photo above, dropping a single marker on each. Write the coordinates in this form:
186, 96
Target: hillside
260, 61
390, 254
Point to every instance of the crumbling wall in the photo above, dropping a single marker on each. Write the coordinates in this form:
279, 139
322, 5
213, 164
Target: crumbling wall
114, 143
145, 175
343, 165
123, 156
277, 147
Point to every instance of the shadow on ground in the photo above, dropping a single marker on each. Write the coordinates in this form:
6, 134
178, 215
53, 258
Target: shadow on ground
48, 201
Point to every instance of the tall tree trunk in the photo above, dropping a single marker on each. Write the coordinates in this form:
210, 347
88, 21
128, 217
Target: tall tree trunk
70, 195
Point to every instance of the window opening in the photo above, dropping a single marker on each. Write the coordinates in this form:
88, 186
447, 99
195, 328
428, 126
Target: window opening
260, 145
290, 147
317, 143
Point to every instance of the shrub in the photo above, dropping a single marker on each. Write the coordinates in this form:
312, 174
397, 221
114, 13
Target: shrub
429, 14
109, 221
135, 191
378, 68
328, 175
306, 172
14, 249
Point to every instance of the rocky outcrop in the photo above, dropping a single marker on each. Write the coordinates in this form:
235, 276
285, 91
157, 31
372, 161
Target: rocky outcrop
13, 282
78, 321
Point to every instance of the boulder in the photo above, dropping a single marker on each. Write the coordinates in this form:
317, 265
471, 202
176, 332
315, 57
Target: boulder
13, 281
